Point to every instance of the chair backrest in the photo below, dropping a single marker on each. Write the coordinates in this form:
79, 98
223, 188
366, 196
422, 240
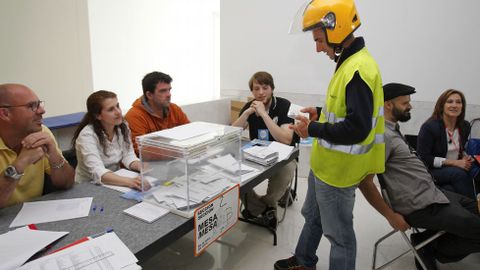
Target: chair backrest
411, 140
71, 157
383, 188
475, 128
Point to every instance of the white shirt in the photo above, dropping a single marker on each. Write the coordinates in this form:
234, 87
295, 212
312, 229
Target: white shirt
453, 142
92, 161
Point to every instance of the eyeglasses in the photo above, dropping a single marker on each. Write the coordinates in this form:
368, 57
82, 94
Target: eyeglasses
34, 105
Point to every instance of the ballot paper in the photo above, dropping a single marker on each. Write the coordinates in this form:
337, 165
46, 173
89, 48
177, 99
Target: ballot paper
284, 151
130, 174
294, 111
261, 155
19, 245
146, 211
103, 252
54, 210
229, 164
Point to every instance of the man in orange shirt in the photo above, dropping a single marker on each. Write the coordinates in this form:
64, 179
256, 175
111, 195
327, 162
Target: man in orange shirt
153, 111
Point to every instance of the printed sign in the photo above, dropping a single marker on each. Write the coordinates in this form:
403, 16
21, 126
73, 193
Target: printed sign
215, 218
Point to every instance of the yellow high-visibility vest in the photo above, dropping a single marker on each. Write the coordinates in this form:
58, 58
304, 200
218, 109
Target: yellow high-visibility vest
347, 165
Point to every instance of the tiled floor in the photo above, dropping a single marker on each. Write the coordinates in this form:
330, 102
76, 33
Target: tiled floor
250, 247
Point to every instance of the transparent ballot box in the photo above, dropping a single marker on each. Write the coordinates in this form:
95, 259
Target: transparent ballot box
189, 165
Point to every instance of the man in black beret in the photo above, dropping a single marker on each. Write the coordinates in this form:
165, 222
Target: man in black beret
415, 199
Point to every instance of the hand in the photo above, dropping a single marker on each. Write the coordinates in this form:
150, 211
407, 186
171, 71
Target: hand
312, 111
301, 126
464, 163
249, 111
27, 157
398, 222
40, 139
259, 108
136, 183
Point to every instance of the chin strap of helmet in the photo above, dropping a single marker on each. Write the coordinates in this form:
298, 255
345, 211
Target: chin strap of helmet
337, 50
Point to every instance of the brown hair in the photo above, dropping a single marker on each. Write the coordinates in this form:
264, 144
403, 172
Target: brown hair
94, 108
261, 77
442, 99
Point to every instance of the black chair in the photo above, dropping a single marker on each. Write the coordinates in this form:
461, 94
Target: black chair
71, 157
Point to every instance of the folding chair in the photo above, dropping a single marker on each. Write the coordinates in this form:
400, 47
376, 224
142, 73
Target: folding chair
412, 248
472, 148
291, 193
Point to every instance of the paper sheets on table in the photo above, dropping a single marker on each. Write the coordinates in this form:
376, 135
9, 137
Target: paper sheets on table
54, 210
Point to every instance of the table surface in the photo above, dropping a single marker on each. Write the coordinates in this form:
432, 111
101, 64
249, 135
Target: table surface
143, 239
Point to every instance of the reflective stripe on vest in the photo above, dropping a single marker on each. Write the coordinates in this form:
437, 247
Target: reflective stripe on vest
354, 149
332, 118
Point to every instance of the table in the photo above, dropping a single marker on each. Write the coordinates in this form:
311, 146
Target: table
142, 238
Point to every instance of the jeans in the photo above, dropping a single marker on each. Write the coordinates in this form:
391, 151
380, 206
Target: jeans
328, 211
454, 179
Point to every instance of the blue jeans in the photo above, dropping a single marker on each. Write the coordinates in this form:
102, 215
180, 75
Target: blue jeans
328, 211
454, 179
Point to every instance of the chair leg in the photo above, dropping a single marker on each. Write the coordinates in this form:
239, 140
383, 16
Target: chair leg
414, 250
289, 198
411, 248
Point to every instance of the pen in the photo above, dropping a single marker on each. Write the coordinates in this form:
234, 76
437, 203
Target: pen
107, 230
81, 240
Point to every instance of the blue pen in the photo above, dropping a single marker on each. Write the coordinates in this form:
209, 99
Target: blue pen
94, 207
107, 230
101, 209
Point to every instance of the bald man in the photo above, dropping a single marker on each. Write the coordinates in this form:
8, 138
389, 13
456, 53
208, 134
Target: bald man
28, 149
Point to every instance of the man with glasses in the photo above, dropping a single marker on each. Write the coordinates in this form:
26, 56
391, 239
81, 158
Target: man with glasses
153, 111
28, 149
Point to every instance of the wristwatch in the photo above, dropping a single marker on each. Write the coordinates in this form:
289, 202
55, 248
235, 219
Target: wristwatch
11, 172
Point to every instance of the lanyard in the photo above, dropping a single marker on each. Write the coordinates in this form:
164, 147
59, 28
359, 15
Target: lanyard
452, 139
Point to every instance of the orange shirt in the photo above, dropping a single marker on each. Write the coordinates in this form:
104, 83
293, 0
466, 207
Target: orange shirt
141, 121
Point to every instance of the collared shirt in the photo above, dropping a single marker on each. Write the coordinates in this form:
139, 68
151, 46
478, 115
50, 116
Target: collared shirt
92, 160
278, 111
408, 182
31, 184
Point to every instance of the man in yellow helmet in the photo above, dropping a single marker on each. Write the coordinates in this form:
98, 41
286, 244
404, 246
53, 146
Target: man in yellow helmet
348, 145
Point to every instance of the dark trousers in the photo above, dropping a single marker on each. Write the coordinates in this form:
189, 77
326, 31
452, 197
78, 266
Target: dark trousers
461, 221
454, 179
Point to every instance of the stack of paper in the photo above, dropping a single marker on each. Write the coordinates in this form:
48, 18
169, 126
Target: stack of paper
17, 246
146, 212
103, 252
230, 165
260, 155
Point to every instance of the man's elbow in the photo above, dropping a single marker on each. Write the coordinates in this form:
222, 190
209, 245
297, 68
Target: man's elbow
67, 179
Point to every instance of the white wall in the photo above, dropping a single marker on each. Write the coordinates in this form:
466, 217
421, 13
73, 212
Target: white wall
44, 44
130, 38
429, 44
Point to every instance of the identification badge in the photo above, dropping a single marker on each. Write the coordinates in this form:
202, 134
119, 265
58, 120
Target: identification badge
263, 134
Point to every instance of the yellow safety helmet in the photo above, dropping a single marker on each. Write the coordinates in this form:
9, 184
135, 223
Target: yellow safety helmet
338, 18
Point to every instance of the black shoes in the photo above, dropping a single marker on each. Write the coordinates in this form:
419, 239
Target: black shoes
268, 218
426, 252
247, 215
290, 264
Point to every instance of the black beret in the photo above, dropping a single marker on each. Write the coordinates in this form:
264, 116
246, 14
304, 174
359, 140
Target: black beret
393, 90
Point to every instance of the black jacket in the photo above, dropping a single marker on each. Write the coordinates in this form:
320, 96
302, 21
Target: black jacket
432, 140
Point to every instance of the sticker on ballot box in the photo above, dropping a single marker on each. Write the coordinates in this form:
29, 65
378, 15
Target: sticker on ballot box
215, 218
